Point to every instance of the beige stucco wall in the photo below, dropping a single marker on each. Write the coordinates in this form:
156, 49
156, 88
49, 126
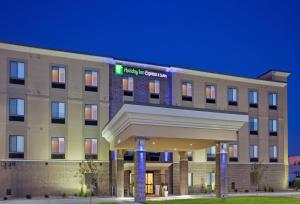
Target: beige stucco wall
38, 95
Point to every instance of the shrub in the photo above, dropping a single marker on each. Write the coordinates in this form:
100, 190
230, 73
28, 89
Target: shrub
64, 195
5, 198
28, 196
46, 196
297, 182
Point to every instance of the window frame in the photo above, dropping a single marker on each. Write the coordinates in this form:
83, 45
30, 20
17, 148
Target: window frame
58, 155
253, 132
253, 105
232, 102
92, 122
127, 91
90, 88
253, 159
271, 105
16, 117
90, 155
186, 97
58, 120
233, 158
58, 85
272, 158
16, 154
13, 80
271, 131
210, 100
209, 155
154, 95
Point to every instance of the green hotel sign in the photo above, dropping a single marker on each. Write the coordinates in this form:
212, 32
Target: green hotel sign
120, 70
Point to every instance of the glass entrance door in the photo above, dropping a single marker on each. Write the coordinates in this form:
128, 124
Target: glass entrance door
149, 183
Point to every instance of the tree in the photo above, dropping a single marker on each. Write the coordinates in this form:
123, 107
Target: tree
257, 171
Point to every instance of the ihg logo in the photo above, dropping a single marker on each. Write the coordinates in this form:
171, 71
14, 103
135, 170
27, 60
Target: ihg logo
119, 69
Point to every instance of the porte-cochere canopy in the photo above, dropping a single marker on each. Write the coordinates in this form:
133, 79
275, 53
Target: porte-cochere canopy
171, 128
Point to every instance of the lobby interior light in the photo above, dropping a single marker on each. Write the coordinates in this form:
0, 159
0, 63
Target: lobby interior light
153, 143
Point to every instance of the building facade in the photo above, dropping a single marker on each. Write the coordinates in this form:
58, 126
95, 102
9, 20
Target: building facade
144, 125
294, 169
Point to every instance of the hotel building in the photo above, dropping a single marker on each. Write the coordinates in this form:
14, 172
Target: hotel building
144, 125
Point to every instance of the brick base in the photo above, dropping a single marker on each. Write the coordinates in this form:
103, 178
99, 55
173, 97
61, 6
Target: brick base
46, 178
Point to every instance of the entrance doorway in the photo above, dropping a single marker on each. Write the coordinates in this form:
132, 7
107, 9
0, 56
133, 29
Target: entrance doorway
149, 183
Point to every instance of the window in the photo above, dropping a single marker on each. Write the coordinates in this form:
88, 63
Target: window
154, 88
211, 179
57, 148
253, 126
210, 92
91, 148
273, 101
273, 127
152, 156
90, 114
186, 91
17, 73
232, 96
16, 109
190, 156
91, 80
211, 154
190, 179
58, 77
58, 112
233, 152
129, 156
253, 153
273, 153
167, 157
128, 86
253, 99
16, 146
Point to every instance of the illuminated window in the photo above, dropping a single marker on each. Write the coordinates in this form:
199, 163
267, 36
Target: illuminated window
273, 127
16, 109
16, 146
253, 126
190, 156
90, 114
253, 153
273, 153
58, 112
91, 80
273, 101
17, 72
190, 179
128, 86
211, 153
186, 91
154, 88
210, 92
58, 77
233, 152
232, 96
91, 148
253, 99
57, 148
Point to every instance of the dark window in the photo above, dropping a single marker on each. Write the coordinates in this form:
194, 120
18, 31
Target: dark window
17, 73
16, 109
58, 112
16, 146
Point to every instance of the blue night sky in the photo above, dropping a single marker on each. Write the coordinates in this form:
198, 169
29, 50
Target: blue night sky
234, 37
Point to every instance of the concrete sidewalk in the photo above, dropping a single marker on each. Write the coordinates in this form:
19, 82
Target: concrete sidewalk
128, 200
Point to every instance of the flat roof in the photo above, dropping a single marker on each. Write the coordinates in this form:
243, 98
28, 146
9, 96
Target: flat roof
115, 60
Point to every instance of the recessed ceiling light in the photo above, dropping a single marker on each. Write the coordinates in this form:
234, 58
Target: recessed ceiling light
175, 149
191, 144
153, 142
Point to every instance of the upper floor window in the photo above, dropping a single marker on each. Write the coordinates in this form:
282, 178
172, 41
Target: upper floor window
210, 92
253, 126
58, 77
253, 153
91, 148
273, 153
233, 152
273, 101
16, 109
58, 112
91, 114
91, 80
211, 153
128, 86
57, 148
17, 72
273, 127
253, 99
232, 96
186, 91
154, 88
16, 146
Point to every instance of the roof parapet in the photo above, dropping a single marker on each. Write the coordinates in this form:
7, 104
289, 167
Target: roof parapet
275, 75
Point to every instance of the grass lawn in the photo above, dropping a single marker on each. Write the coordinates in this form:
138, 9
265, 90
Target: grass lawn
234, 200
